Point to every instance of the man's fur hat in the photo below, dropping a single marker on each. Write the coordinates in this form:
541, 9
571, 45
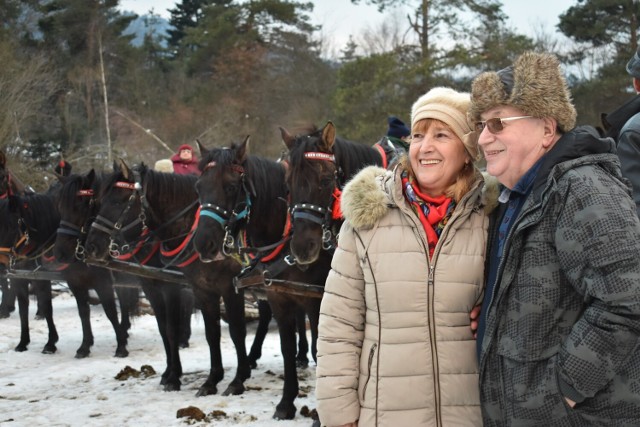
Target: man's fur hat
533, 84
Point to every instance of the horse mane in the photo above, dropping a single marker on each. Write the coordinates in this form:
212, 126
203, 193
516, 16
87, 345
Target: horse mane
40, 213
171, 188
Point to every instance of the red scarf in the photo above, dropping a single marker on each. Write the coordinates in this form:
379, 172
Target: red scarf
435, 219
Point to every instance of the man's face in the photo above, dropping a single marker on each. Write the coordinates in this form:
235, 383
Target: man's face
511, 152
185, 154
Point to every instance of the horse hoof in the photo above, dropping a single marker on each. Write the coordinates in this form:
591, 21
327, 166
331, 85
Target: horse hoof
49, 349
234, 390
122, 353
302, 364
21, 348
206, 390
253, 364
81, 354
287, 413
169, 386
184, 344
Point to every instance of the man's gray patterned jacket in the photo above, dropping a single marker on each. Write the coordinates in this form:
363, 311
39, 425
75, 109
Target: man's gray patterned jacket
564, 320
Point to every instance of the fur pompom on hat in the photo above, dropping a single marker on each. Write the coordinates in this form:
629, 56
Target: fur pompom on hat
534, 84
164, 165
450, 107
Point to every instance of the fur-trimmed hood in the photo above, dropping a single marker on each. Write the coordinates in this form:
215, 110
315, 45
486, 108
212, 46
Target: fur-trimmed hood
370, 194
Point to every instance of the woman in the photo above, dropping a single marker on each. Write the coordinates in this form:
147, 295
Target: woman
185, 162
395, 347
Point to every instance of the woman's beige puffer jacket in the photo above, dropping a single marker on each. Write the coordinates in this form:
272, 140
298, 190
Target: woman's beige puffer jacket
395, 347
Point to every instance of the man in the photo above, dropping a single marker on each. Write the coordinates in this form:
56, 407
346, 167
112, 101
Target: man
395, 143
560, 320
623, 125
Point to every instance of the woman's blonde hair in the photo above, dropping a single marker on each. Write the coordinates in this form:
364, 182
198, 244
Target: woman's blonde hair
467, 175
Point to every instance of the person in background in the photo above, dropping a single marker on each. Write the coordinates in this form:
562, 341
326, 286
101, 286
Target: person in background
623, 125
560, 321
398, 134
395, 347
185, 162
395, 143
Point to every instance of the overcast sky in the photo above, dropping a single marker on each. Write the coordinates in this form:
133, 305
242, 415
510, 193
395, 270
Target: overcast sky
340, 18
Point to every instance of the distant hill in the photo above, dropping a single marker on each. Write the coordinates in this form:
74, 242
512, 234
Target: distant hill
147, 24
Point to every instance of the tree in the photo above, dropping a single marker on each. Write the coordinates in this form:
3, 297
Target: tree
433, 19
606, 34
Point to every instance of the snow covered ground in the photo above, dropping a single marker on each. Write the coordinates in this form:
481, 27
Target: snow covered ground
58, 390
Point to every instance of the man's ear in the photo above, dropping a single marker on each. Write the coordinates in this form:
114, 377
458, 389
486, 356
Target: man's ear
550, 131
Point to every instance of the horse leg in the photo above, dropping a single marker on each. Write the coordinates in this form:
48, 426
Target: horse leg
302, 361
128, 297
211, 314
104, 289
234, 306
264, 318
21, 288
313, 312
81, 294
162, 297
186, 311
8, 303
285, 316
42, 289
173, 320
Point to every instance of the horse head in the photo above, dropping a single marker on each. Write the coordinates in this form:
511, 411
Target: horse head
77, 204
120, 219
312, 178
224, 193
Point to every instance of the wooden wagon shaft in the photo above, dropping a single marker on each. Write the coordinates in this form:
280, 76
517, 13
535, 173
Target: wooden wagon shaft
35, 275
143, 271
277, 285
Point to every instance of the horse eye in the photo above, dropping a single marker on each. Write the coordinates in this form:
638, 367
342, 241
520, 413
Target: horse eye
326, 182
231, 188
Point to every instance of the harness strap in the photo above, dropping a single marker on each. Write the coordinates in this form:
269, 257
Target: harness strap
187, 239
383, 155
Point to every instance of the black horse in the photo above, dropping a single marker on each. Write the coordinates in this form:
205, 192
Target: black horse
21, 247
166, 205
37, 222
320, 163
78, 205
244, 197
9, 185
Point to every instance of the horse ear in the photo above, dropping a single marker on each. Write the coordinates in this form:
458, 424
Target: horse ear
287, 138
122, 166
202, 148
328, 137
91, 176
242, 150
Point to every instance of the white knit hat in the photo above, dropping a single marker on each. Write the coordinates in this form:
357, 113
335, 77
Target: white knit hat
450, 107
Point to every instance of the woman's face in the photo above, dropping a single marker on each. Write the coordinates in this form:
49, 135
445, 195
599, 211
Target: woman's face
436, 156
185, 154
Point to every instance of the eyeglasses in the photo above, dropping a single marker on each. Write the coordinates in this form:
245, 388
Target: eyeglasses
496, 124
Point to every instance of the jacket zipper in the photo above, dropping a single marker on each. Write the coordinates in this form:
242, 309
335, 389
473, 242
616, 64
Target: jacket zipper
430, 298
371, 355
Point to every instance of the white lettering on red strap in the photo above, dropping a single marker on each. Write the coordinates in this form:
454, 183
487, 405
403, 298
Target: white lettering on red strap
127, 185
85, 193
315, 155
